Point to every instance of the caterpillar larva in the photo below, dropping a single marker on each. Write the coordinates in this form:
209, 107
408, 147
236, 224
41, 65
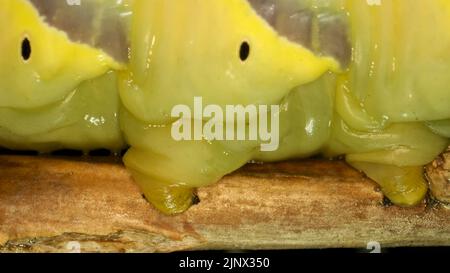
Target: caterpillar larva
56, 91
350, 77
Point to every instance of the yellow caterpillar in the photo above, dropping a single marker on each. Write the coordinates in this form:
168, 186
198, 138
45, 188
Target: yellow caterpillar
55, 91
364, 79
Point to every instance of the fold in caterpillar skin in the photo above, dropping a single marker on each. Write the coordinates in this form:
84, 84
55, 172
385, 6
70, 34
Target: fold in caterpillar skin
55, 91
368, 81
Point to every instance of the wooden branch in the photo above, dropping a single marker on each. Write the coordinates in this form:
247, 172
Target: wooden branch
438, 174
56, 204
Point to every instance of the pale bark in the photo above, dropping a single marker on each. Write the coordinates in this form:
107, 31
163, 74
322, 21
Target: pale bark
55, 204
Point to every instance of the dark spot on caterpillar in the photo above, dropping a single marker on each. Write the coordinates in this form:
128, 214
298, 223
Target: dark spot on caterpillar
26, 49
195, 200
244, 51
386, 202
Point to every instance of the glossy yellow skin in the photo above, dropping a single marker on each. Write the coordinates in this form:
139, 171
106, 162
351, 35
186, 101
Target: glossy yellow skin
391, 108
386, 112
397, 85
56, 98
180, 60
169, 48
386, 109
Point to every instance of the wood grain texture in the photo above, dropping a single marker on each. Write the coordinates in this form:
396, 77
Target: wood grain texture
438, 174
56, 204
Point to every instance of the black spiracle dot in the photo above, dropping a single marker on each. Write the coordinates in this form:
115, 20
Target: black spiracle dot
195, 199
244, 51
26, 49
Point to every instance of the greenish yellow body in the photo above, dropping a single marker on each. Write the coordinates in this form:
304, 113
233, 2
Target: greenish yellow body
385, 106
63, 97
386, 111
